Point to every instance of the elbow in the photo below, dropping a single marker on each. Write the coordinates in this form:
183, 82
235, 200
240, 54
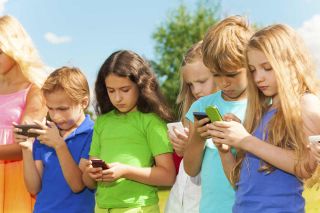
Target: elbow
77, 188
189, 171
33, 192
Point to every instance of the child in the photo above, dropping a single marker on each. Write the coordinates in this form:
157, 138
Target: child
21, 76
223, 53
282, 111
130, 135
53, 169
196, 81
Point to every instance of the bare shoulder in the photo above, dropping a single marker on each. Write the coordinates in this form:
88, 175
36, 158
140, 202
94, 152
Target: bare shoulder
35, 104
310, 107
310, 103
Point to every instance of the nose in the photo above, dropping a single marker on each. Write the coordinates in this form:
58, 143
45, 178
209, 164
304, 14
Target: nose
118, 96
54, 115
196, 90
224, 82
258, 76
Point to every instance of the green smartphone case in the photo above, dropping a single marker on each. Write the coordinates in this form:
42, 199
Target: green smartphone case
213, 113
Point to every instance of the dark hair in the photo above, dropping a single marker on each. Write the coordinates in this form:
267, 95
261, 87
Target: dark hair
129, 64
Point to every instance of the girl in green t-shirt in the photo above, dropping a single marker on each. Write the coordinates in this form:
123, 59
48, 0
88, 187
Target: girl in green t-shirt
130, 135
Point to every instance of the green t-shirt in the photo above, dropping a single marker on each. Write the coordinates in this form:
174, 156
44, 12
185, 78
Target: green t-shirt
134, 138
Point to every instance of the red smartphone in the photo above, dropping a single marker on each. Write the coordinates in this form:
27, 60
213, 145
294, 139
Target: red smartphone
96, 163
25, 128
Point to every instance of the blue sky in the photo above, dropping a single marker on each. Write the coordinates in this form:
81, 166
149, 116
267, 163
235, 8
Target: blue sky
84, 33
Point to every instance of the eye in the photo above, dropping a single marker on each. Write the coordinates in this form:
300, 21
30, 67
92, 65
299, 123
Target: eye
110, 90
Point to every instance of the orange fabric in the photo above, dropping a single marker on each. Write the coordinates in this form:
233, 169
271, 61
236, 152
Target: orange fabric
14, 197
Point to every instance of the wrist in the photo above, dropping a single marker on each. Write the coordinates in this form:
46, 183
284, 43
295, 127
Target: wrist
246, 143
60, 145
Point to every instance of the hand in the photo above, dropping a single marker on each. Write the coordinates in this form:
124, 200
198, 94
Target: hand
115, 172
49, 134
22, 140
315, 150
93, 173
231, 117
228, 132
201, 129
179, 140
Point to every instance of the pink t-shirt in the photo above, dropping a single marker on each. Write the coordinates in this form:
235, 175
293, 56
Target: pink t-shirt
11, 108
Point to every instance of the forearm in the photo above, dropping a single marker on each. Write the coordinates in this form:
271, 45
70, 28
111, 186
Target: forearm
88, 181
10, 152
70, 169
193, 156
228, 162
32, 177
278, 157
156, 176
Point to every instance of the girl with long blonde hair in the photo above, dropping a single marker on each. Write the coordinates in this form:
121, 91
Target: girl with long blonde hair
283, 109
21, 76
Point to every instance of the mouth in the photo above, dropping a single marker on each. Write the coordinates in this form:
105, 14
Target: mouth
262, 88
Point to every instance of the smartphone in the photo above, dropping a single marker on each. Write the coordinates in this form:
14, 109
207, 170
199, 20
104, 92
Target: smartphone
314, 139
200, 115
25, 128
178, 125
96, 163
213, 113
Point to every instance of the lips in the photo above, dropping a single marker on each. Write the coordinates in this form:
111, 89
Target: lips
262, 88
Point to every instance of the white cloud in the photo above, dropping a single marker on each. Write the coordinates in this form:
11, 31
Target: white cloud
2, 3
54, 39
310, 31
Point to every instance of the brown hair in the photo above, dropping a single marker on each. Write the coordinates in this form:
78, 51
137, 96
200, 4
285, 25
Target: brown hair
129, 64
225, 43
69, 79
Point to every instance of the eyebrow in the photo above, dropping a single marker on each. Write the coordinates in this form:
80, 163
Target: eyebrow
124, 87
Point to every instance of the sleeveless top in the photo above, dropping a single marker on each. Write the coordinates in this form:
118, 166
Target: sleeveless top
260, 192
11, 108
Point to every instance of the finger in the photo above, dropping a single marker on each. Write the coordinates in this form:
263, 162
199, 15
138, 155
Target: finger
186, 130
178, 133
203, 121
42, 125
222, 124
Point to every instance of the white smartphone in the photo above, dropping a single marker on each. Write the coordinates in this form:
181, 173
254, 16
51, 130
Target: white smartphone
314, 139
177, 125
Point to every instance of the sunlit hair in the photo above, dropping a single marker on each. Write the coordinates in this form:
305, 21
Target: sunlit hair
295, 76
16, 43
69, 79
129, 64
185, 97
225, 43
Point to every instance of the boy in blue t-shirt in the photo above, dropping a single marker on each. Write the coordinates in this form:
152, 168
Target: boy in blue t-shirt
223, 53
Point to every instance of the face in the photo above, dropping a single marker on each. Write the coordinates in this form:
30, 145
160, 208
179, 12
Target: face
199, 79
233, 84
66, 113
123, 93
6, 63
262, 73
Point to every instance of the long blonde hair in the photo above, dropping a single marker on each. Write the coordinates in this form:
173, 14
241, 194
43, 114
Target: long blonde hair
295, 75
185, 97
16, 43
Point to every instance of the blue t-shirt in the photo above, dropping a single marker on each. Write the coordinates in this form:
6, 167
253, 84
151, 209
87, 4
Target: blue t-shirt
55, 194
260, 192
217, 193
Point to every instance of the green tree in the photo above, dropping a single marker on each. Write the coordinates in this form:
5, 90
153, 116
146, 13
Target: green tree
174, 37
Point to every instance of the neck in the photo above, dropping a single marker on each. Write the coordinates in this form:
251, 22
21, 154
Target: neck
241, 96
13, 76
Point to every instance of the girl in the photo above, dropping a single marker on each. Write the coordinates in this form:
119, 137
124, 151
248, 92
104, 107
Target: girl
196, 81
130, 135
282, 111
53, 168
21, 76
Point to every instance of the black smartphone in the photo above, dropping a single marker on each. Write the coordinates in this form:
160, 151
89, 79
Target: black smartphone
96, 163
25, 128
200, 115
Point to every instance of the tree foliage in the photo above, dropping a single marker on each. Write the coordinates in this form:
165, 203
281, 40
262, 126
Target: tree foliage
174, 37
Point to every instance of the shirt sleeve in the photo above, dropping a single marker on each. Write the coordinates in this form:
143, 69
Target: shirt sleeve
36, 150
95, 144
195, 107
157, 137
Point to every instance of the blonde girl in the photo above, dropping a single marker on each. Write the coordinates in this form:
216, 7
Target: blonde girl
196, 81
21, 75
282, 111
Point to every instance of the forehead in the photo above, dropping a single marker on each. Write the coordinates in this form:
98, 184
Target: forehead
58, 98
115, 81
229, 71
195, 71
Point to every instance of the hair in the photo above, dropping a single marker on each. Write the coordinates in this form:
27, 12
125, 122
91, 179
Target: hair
129, 64
295, 75
224, 44
185, 97
16, 43
69, 79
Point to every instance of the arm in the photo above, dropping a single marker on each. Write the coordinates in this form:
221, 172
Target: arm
179, 140
91, 175
194, 151
228, 162
162, 174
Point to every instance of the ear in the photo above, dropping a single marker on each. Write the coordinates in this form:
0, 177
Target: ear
85, 102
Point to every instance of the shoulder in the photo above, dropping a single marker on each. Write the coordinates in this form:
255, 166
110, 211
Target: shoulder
310, 109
